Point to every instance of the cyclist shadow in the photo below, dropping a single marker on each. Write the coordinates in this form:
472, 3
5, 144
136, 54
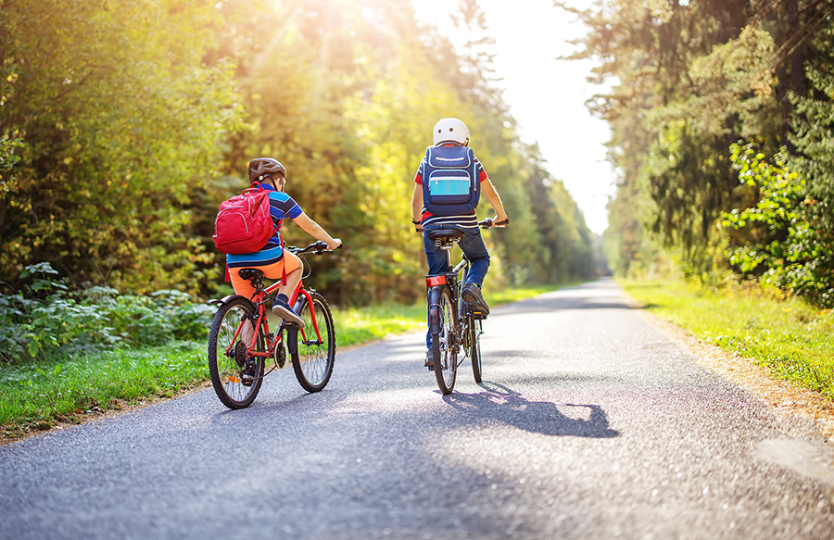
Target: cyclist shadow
506, 405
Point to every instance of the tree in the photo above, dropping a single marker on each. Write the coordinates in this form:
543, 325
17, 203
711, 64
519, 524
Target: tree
117, 122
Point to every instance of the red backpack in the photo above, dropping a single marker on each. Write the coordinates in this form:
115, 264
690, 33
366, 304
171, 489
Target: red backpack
243, 224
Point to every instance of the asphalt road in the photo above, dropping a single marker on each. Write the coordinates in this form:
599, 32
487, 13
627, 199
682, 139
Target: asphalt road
590, 423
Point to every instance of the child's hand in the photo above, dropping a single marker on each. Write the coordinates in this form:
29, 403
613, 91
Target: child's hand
334, 244
500, 222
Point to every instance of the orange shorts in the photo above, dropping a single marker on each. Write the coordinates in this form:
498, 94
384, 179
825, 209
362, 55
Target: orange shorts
274, 271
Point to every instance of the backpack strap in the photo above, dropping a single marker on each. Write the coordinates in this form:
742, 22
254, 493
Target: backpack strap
283, 256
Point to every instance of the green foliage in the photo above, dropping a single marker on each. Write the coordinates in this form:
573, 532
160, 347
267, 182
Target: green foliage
782, 244
790, 336
8, 158
693, 79
115, 120
45, 321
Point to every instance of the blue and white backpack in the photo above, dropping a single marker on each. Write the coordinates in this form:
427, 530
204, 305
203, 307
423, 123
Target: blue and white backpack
450, 180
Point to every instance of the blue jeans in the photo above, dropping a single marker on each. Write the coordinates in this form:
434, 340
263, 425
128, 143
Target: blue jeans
472, 246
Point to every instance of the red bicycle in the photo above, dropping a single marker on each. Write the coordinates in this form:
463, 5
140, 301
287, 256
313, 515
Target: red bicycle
238, 355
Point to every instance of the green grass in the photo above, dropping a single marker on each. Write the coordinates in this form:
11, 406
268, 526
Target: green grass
360, 325
34, 397
793, 338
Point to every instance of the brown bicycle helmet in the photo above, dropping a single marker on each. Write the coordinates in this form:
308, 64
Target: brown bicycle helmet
264, 167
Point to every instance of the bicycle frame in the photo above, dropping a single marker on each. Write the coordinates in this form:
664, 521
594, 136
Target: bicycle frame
448, 280
461, 332
259, 299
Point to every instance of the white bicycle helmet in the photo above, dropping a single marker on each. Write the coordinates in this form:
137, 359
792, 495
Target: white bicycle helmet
451, 130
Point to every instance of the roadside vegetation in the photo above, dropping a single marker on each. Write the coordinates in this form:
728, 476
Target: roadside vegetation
785, 333
721, 134
722, 116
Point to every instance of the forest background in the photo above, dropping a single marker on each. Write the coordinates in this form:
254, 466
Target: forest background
722, 119
123, 124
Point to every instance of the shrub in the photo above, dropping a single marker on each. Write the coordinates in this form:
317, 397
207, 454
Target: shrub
782, 241
45, 320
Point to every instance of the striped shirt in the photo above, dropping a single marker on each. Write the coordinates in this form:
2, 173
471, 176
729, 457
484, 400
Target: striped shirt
281, 206
467, 221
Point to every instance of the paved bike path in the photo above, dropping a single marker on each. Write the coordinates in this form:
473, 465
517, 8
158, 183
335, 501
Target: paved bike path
590, 424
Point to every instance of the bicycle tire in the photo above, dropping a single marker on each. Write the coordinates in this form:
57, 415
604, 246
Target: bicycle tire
312, 362
226, 368
443, 344
475, 348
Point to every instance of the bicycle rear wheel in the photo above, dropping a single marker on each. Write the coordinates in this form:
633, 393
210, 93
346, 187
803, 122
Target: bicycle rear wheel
443, 344
475, 348
312, 359
235, 376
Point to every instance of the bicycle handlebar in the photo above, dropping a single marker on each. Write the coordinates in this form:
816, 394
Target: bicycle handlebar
489, 223
316, 248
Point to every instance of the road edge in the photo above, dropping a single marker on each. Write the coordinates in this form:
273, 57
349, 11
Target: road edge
784, 398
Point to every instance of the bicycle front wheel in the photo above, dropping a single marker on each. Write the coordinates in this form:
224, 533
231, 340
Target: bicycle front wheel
443, 344
314, 353
235, 376
475, 348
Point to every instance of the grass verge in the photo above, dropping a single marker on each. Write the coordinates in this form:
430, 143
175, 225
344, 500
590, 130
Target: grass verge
34, 397
37, 396
795, 340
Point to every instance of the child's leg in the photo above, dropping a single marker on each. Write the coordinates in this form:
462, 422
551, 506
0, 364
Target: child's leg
435, 257
244, 288
289, 266
473, 246
292, 266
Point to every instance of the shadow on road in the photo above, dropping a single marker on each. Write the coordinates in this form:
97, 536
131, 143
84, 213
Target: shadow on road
506, 405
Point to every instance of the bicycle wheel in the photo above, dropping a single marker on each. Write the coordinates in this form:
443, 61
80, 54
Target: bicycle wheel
443, 344
312, 359
475, 348
235, 376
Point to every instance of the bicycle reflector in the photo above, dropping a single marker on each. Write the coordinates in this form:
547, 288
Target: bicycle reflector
434, 281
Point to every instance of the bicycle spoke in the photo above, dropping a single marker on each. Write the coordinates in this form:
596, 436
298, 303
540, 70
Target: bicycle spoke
313, 361
236, 377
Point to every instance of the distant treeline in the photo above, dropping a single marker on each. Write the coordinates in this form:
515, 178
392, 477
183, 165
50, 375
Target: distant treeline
722, 113
124, 124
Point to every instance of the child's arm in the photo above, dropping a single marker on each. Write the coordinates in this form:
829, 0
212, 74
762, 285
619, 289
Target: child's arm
494, 199
315, 230
417, 207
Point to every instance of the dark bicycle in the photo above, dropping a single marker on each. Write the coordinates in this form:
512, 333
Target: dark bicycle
455, 325
236, 361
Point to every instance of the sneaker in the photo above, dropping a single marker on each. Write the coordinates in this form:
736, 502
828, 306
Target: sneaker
472, 294
429, 361
248, 367
247, 375
283, 310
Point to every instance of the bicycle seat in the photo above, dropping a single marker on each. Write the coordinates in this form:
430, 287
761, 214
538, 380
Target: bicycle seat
445, 234
251, 273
